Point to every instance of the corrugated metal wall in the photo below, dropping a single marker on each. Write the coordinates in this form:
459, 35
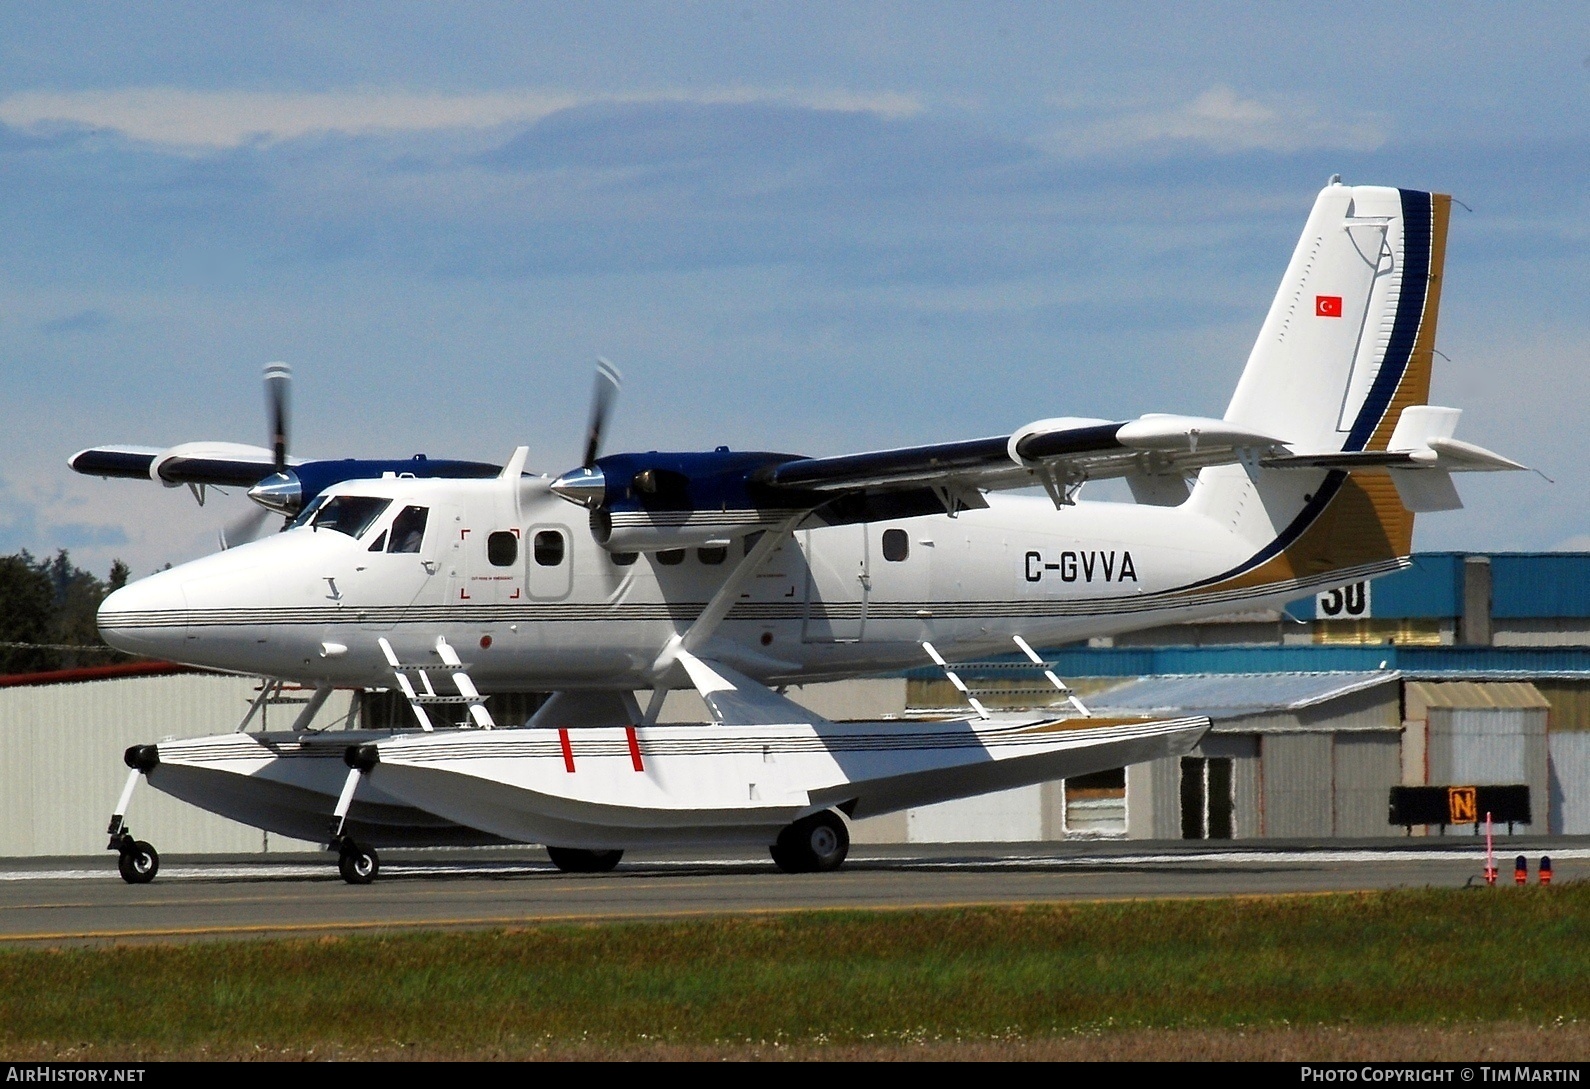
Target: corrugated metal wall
1153, 799
1491, 745
1010, 816
1569, 773
1297, 784
1570, 703
1367, 766
61, 766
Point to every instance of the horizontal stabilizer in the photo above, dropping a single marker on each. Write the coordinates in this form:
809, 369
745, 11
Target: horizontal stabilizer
1421, 443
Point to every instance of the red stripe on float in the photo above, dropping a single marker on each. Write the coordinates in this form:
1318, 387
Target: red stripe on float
634, 748
568, 750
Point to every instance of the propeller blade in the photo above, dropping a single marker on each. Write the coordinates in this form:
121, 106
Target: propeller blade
243, 530
602, 400
278, 409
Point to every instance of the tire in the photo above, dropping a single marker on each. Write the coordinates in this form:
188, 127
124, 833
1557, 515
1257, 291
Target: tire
579, 860
138, 863
814, 844
358, 865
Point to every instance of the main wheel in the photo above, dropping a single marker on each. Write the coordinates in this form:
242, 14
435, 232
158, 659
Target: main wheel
579, 860
814, 844
138, 863
358, 865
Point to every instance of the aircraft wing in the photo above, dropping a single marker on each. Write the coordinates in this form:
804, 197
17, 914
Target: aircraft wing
1056, 453
129, 462
223, 463
1155, 453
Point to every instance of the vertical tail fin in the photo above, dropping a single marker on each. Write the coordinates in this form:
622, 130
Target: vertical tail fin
1349, 338
1347, 345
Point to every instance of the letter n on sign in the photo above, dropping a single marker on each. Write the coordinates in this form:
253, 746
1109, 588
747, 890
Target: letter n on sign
1461, 805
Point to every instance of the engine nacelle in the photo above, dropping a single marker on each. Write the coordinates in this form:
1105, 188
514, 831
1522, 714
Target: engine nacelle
657, 501
657, 531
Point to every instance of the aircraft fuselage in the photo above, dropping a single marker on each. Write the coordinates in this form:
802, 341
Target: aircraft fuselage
509, 575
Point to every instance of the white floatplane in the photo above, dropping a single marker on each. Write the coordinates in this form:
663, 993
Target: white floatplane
739, 572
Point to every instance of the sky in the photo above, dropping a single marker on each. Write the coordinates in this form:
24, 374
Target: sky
811, 227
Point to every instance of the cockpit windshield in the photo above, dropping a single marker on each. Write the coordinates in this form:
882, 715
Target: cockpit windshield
350, 514
308, 512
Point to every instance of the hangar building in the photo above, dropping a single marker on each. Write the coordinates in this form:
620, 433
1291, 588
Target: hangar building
1461, 669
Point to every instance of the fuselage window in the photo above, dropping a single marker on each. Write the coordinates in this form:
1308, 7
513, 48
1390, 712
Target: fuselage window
549, 548
896, 545
350, 514
623, 559
712, 555
670, 557
502, 548
408, 530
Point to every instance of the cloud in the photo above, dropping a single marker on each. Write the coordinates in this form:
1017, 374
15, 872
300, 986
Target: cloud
1219, 121
82, 321
199, 120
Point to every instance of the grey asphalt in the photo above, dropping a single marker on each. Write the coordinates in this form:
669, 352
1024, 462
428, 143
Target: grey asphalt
76, 900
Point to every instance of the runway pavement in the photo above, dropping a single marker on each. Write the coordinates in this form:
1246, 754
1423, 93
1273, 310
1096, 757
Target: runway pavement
54, 901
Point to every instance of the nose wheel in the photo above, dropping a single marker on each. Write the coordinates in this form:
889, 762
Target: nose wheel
136, 861
358, 865
814, 844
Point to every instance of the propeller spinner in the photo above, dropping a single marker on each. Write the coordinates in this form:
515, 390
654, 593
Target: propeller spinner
586, 485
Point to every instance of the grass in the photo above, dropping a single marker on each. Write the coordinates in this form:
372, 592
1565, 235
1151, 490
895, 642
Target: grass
1441, 960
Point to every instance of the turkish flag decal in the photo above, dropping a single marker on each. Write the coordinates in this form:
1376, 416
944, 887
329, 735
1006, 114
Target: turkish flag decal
1327, 306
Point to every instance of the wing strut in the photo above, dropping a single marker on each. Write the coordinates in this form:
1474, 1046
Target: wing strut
268, 692
690, 640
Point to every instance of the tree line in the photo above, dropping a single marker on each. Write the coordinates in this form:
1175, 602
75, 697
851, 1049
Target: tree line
48, 610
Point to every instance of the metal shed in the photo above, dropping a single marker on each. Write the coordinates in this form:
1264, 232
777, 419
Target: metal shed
1478, 733
61, 745
1291, 755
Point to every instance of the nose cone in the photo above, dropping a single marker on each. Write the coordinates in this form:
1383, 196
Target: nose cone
586, 487
281, 492
146, 617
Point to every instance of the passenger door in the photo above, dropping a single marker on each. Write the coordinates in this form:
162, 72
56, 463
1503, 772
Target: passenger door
837, 583
548, 562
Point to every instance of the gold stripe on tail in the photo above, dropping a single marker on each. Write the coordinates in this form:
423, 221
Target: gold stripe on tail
1414, 389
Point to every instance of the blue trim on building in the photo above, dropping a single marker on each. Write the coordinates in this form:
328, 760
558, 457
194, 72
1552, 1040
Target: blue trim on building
1161, 661
1524, 586
1538, 585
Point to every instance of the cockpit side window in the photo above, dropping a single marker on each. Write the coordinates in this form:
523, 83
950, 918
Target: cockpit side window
350, 514
408, 530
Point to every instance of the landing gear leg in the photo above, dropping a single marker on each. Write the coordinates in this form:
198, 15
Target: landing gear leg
358, 865
814, 844
136, 861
